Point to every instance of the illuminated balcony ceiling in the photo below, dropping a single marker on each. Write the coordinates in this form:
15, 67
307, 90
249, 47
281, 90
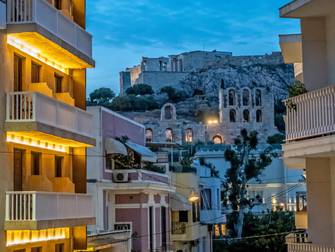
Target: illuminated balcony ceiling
307, 8
291, 48
44, 49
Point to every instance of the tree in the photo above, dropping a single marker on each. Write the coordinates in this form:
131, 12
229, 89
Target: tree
140, 89
173, 94
102, 96
246, 163
297, 88
133, 103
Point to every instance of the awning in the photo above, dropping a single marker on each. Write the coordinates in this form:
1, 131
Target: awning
113, 146
179, 202
146, 154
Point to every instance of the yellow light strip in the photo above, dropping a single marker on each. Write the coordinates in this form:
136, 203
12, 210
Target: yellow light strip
35, 53
11, 138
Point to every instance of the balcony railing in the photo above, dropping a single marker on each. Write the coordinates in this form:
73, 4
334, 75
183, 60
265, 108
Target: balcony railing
298, 242
179, 227
44, 14
45, 206
36, 107
311, 114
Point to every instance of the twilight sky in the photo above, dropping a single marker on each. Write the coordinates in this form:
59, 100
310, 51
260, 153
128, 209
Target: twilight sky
125, 30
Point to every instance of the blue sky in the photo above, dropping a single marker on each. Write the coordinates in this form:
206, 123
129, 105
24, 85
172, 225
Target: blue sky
125, 30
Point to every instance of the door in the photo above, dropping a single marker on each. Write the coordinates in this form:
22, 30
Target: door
18, 73
18, 169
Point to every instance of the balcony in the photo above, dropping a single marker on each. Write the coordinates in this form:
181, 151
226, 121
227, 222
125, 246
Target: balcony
298, 242
185, 231
43, 29
42, 210
32, 116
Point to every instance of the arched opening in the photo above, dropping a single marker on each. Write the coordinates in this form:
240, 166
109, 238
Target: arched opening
189, 135
168, 112
245, 97
231, 97
217, 139
148, 135
258, 97
246, 115
259, 116
232, 115
169, 135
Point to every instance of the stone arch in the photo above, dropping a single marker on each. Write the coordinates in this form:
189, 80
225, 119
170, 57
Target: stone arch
231, 97
246, 115
168, 112
259, 115
149, 135
232, 115
258, 97
246, 96
217, 139
169, 135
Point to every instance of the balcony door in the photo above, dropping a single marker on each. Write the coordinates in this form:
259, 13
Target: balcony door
18, 169
18, 73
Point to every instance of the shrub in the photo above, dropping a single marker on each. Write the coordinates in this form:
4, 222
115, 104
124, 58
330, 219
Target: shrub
140, 89
297, 88
276, 139
133, 103
173, 94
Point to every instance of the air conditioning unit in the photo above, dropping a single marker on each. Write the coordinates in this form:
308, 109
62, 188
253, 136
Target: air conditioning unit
120, 177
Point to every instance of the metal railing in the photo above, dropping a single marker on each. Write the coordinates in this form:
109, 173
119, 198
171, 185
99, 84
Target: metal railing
311, 114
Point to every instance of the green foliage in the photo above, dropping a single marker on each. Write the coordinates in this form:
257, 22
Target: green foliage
245, 164
101, 96
260, 225
297, 88
280, 110
133, 103
151, 167
173, 94
276, 139
140, 89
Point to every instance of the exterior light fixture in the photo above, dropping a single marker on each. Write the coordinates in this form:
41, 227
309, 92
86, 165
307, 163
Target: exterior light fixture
193, 196
212, 122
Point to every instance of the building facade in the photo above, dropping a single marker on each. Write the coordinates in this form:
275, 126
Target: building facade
45, 130
310, 118
128, 195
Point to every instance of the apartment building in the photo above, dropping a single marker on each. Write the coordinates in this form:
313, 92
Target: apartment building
131, 184
310, 118
45, 130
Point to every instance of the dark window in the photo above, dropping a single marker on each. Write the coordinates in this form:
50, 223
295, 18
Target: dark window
168, 111
58, 4
246, 115
59, 247
258, 97
148, 135
232, 115
18, 73
245, 97
151, 229
20, 250
58, 166
35, 72
35, 163
259, 116
58, 83
163, 225
183, 216
231, 97
169, 135
36, 249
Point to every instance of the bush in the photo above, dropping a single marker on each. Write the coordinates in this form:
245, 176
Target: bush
276, 139
101, 96
140, 89
133, 103
297, 88
173, 94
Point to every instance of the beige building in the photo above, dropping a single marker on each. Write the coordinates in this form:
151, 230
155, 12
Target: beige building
44, 128
310, 119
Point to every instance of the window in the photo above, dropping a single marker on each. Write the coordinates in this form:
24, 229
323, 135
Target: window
180, 65
183, 216
35, 72
36, 249
148, 135
18, 73
188, 135
246, 115
217, 139
258, 97
35, 163
168, 112
231, 97
232, 115
58, 166
58, 83
169, 135
58, 4
206, 199
245, 97
259, 116
151, 228
59, 247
